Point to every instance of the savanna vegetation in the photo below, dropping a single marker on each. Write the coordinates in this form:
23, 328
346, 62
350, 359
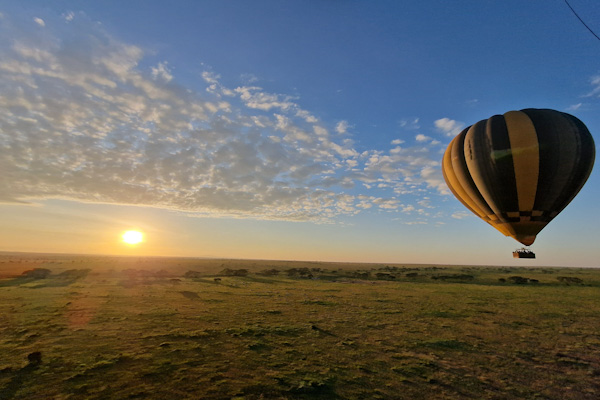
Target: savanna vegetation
75, 327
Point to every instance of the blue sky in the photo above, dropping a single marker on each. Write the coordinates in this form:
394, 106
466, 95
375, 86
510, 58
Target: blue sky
283, 130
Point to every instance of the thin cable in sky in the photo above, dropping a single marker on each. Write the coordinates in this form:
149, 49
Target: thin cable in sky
579, 18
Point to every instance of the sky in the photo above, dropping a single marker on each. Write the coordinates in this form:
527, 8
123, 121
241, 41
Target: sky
292, 130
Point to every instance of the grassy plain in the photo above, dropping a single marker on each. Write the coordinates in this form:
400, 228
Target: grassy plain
114, 328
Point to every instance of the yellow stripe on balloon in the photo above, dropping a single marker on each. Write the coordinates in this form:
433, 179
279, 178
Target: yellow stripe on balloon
526, 157
454, 184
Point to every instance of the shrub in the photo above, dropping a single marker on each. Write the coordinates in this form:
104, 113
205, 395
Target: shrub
234, 272
569, 279
298, 271
269, 272
361, 275
518, 280
193, 274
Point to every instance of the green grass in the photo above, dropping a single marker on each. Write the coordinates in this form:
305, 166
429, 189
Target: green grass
107, 334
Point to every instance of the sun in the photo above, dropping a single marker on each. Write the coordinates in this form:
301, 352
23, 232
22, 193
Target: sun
132, 237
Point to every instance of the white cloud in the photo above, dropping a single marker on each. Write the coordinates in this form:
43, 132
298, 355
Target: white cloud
461, 214
161, 71
342, 127
432, 175
422, 138
320, 131
80, 119
341, 150
249, 79
404, 171
254, 97
410, 124
308, 117
425, 202
408, 209
449, 127
214, 86
386, 204
39, 21
595, 82
574, 107
210, 77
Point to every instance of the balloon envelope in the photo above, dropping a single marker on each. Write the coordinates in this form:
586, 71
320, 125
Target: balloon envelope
517, 171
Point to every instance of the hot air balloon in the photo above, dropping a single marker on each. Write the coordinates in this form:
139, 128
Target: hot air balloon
519, 170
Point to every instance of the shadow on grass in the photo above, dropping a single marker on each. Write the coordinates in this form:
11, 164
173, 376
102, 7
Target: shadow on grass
210, 281
445, 344
262, 279
54, 283
443, 314
309, 386
63, 279
190, 295
20, 378
16, 281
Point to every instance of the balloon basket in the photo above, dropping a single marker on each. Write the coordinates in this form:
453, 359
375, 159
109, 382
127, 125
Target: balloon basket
523, 253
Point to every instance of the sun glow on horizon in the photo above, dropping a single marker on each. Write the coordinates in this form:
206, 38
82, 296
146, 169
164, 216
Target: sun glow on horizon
132, 237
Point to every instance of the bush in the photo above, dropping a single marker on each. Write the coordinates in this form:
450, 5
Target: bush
361, 275
298, 271
518, 280
269, 272
234, 272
